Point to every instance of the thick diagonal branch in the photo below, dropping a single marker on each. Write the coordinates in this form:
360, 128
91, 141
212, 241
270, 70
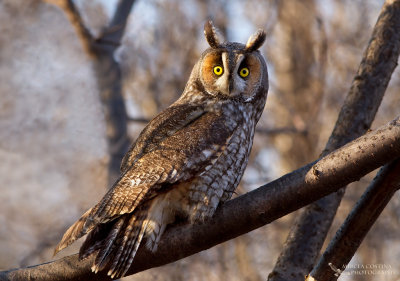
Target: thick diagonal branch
356, 226
362, 102
247, 212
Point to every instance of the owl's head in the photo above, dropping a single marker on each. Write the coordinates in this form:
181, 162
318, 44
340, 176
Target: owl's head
233, 70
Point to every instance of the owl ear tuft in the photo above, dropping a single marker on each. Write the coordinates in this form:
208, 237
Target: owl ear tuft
256, 40
211, 34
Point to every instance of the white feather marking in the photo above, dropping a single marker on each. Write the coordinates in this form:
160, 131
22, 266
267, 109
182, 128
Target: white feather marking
207, 153
249, 99
206, 168
222, 83
174, 172
225, 62
135, 181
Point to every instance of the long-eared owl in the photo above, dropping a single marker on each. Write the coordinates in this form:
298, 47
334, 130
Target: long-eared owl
187, 160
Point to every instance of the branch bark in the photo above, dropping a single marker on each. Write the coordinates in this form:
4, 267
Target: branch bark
362, 102
356, 226
247, 212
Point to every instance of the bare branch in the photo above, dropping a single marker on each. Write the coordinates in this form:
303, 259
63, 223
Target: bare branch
110, 38
246, 212
360, 220
112, 35
71, 11
356, 116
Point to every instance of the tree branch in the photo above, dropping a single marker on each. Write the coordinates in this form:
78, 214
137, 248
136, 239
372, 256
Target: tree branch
358, 112
73, 15
356, 226
112, 35
246, 212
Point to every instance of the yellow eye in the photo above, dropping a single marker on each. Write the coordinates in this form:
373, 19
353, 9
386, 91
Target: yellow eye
244, 72
218, 70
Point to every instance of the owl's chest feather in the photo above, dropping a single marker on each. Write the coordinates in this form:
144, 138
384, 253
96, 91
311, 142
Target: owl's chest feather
218, 181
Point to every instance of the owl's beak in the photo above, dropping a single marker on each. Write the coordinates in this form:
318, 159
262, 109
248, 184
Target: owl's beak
232, 89
227, 86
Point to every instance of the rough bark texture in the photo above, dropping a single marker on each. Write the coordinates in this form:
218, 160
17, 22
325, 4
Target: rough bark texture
108, 75
362, 102
247, 212
350, 235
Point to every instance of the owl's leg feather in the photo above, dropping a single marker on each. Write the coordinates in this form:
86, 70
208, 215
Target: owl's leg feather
155, 235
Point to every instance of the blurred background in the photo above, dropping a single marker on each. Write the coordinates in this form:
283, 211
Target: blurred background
53, 133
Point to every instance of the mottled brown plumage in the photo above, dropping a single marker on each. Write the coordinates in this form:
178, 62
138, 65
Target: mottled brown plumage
187, 160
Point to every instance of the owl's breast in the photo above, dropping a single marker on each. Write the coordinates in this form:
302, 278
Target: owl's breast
236, 156
218, 182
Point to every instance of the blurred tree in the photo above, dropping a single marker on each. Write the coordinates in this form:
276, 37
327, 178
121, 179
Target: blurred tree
102, 49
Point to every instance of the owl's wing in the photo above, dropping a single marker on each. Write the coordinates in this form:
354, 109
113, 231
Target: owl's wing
177, 145
168, 122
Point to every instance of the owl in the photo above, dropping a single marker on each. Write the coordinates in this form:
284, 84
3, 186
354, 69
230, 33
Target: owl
186, 161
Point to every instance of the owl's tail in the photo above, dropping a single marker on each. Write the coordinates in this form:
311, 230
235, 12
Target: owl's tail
76, 231
116, 242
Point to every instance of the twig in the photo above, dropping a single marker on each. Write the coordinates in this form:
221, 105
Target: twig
76, 20
379, 61
360, 220
247, 212
114, 32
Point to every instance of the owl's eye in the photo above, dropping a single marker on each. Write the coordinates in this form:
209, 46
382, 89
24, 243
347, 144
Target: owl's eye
218, 70
244, 72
